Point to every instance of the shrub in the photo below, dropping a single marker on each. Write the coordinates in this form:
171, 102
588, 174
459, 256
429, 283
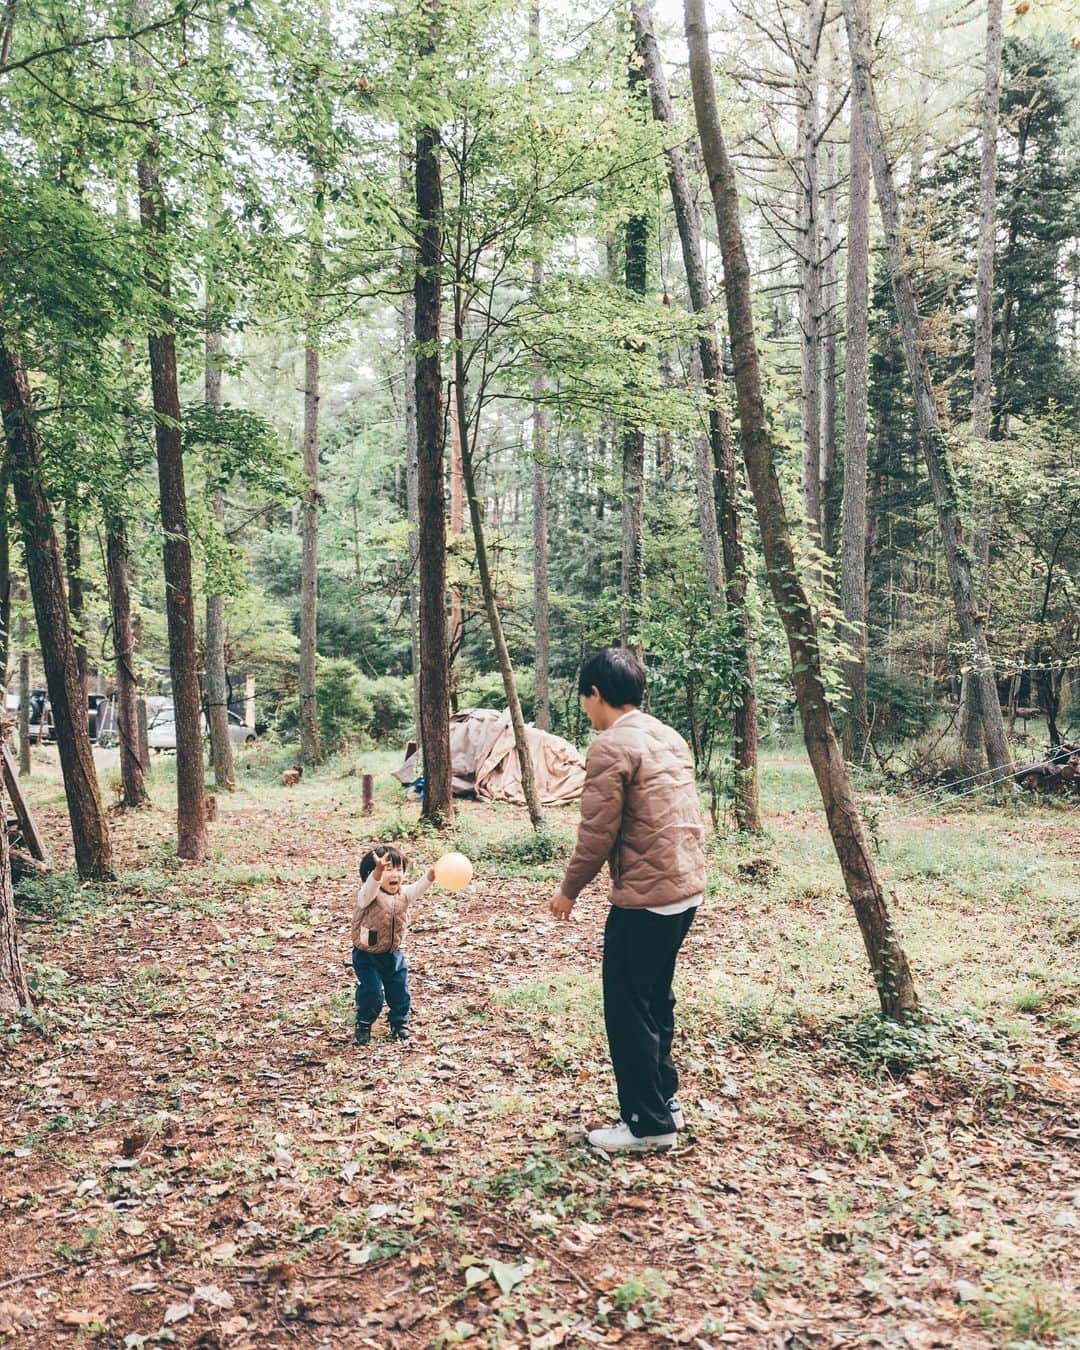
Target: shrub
344, 709
900, 707
484, 689
391, 700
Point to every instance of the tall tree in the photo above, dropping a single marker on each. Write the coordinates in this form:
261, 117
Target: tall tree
830, 246
809, 245
118, 569
970, 702
541, 607
67, 695
309, 516
888, 962
217, 689
747, 810
636, 274
935, 454
483, 567
434, 640
853, 549
192, 842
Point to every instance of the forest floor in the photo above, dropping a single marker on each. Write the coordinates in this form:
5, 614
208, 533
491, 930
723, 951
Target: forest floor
192, 1151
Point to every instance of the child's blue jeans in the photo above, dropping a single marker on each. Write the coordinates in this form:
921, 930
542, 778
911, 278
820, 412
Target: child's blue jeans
377, 972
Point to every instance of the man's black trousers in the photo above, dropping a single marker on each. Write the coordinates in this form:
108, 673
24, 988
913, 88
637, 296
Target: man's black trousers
640, 949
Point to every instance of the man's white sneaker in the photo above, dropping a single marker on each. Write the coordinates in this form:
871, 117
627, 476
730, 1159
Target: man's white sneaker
676, 1112
621, 1139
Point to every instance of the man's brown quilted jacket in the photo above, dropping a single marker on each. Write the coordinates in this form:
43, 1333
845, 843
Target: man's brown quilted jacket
640, 813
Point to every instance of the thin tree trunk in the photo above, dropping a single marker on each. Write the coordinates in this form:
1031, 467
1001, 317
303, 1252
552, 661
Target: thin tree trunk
90, 832
632, 574
889, 964
76, 597
971, 719
830, 243
853, 550
192, 842
5, 578
14, 993
541, 617
310, 749
217, 688
434, 639
118, 563
487, 587
809, 246
24, 695
935, 453
408, 337
706, 362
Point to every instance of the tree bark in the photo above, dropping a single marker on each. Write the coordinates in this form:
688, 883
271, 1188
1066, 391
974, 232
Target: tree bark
434, 640
935, 453
5, 579
76, 596
632, 575
90, 832
809, 247
14, 993
118, 564
192, 842
830, 244
889, 964
408, 356
707, 363
541, 615
971, 719
310, 749
487, 586
853, 549
217, 687
24, 702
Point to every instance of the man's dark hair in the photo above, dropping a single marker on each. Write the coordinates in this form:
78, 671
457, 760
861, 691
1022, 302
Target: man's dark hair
616, 674
368, 861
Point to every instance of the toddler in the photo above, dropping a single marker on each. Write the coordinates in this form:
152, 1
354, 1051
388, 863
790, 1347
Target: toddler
379, 921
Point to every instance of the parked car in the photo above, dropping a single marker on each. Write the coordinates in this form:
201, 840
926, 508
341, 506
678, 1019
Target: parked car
39, 703
161, 726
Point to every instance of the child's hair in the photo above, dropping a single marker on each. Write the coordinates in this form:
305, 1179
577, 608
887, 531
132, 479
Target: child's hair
617, 676
371, 857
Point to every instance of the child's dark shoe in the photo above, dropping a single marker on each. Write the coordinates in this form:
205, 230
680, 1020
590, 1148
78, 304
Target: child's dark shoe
362, 1034
399, 1034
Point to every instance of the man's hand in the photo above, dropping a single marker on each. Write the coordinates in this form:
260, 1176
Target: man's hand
560, 906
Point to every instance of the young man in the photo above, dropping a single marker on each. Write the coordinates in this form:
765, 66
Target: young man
640, 813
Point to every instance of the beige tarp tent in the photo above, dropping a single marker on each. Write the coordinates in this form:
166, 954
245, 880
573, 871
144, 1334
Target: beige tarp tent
486, 765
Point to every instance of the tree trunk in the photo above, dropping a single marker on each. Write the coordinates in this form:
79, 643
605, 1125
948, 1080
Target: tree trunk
117, 563
632, 575
707, 362
487, 587
310, 750
434, 640
408, 337
24, 703
93, 853
14, 993
809, 247
935, 453
75, 593
541, 617
5, 579
889, 964
971, 719
853, 550
217, 688
830, 244
191, 841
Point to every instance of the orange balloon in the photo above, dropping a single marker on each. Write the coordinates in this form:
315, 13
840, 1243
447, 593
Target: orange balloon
453, 871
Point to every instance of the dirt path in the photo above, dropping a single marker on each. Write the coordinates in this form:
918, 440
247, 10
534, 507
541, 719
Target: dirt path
195, 1152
